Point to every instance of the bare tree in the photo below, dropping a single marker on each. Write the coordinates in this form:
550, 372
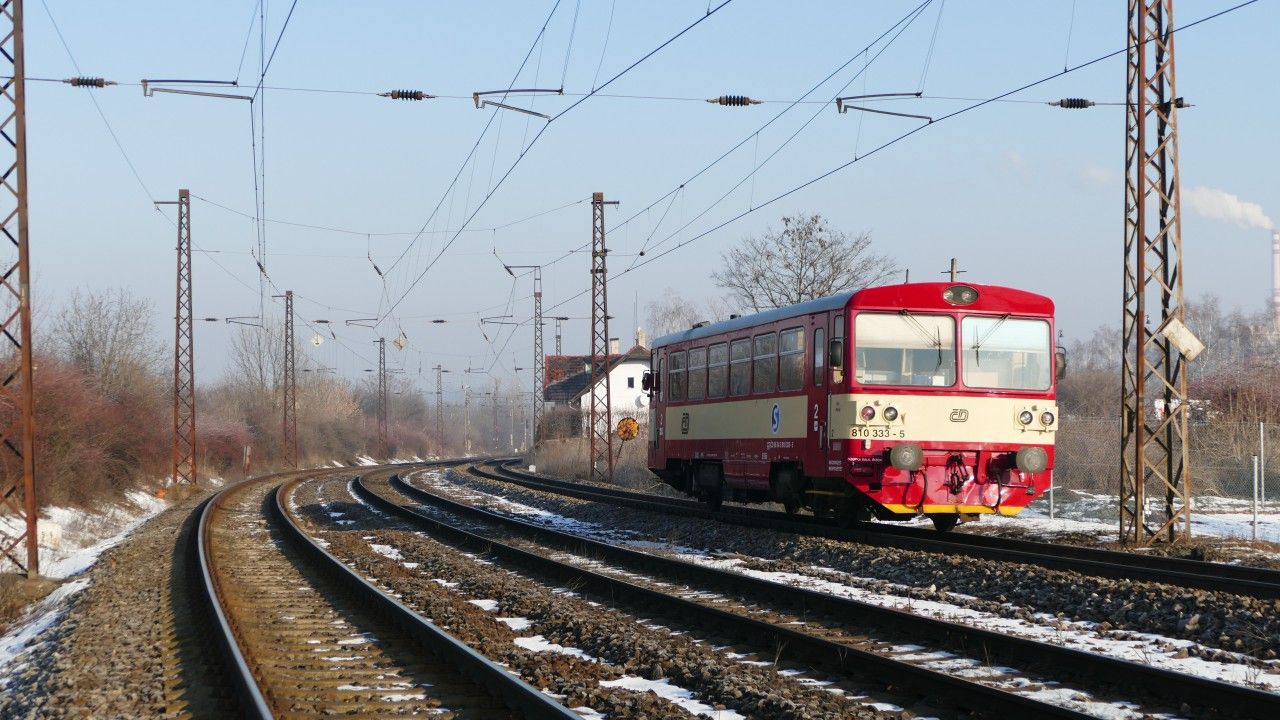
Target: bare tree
669, 313
257, 358
108, 336
807, 259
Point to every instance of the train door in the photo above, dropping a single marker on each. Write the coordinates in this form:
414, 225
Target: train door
835, 359
816, 440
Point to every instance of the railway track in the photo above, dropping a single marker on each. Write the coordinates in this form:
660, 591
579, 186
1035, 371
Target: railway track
306, 636
819, 648
1237, 579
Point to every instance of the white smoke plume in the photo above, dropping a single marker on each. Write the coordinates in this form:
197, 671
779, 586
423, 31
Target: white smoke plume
1219, 205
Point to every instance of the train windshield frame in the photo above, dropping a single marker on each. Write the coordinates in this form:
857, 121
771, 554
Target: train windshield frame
904, 349
1006, 353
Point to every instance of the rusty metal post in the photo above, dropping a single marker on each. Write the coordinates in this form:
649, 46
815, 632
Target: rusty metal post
1153, 438
184, 355
601, 413
539, 358
382, 399
17, 388
440, 371
290, 434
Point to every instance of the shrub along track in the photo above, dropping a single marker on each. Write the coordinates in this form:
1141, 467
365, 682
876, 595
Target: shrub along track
305, 636
828, 635
1237, 579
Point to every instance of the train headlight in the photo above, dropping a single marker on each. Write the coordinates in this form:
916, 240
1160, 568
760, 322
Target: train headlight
1032, 459
1025, 417
960, 295
1047, 418
868, 413
891, 413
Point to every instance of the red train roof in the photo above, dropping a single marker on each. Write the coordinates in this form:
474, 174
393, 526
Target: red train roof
991, 298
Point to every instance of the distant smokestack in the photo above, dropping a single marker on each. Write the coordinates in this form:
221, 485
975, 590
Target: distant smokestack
1275, 276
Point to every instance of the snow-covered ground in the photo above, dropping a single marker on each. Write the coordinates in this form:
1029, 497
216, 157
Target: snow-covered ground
1079, 511
71, 540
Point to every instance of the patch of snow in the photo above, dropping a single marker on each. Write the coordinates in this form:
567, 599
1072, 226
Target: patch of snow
386, 551
674, 693
486, 605
538, 643
37, 619
516, 623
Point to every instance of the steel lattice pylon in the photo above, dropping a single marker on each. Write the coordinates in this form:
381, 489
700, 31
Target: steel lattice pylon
539, 359
601, 414
290, 434
184, 355
17, 388
440, 407
1153, 434
382, 399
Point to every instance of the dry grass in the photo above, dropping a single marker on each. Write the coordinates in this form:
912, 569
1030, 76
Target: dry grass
567, 458
16, 593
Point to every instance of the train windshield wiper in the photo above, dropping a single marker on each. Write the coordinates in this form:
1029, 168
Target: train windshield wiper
977, 344
934, 339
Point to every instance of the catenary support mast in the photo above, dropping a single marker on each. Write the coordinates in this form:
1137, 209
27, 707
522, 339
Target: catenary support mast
290, 433
1154, 459
601, 415
184, 355
17, 384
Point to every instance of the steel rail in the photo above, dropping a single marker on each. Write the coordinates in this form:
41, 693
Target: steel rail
498, 681
1166, 685
833, 656
1238, 580
253, 702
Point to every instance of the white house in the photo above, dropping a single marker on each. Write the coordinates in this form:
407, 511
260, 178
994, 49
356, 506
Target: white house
627, 397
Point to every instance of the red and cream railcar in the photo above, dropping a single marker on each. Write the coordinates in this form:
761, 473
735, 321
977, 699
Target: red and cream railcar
893, 401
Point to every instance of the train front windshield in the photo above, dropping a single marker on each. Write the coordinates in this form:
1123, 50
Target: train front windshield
1006, 353
904, 348
913, 349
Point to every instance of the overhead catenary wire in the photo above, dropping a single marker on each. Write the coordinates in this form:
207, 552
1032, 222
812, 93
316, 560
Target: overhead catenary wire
476, 145
903, 136
536, 137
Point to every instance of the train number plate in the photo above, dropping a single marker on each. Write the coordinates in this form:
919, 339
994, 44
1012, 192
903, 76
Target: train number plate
870, 432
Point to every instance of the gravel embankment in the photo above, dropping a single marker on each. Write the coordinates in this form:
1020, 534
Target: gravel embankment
442, 583
118, 651
1223, 623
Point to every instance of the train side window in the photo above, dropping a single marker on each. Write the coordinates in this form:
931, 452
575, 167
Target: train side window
662, 361
740, 367
819, 356
676, 377
697, 373
766, 362
791, 359
837, 333
717, 370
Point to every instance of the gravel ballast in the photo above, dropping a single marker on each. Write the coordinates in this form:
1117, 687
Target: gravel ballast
1223, 623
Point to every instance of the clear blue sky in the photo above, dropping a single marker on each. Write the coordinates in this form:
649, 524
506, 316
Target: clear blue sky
1023, 194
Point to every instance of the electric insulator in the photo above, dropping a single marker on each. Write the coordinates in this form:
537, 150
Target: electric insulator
1073, 103
406, 95
87, 82
734, 100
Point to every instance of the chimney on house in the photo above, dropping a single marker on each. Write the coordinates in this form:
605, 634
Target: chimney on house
614, 348
641, 338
